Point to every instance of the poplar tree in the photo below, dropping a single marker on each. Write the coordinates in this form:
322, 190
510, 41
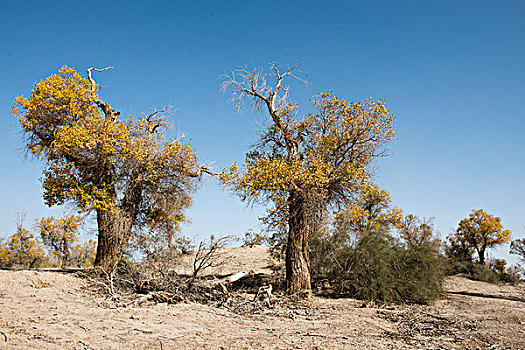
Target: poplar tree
124, 170
304, 163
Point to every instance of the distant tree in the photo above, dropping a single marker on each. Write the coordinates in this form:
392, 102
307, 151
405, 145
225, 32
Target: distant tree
458, 249
5, 254
518, 247
83, 255
22, 247
163, 225
481, 231
59, 235
305, 165
126, 171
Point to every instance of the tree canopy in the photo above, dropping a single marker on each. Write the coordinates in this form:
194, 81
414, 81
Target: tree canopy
481, 231
125, 170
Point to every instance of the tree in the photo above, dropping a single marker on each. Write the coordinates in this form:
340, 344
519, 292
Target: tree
518, 247
59, 235
306, 164
458, 249
22, 247
125, 171
481, 231
83, 255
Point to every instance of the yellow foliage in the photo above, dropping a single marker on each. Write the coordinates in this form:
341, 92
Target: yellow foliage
23, 249
335, 146
481, 231
371, 212
91, 159
59, 235
83, 255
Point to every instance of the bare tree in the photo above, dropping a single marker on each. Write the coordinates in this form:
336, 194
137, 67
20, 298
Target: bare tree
209, 254
518, 247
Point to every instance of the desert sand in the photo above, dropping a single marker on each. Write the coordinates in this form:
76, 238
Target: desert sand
52, 310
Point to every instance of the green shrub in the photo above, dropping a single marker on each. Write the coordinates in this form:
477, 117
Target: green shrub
378, 267
495, 271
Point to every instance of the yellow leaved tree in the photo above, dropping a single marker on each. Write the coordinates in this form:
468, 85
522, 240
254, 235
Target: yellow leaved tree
22, 248
304, 164
124, 170
481, 231
59, 235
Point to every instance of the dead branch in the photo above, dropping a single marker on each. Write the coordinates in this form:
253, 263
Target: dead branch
109, 277
156, 119
109, 112
86, 347
266, 293
225, 282
208, 254
253, 84
202, 169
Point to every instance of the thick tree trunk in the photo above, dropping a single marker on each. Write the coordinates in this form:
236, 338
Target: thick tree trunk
114, 230
481, 254
297, 248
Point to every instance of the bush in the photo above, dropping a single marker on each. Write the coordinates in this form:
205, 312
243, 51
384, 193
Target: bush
495, 271
484, 274
378, 267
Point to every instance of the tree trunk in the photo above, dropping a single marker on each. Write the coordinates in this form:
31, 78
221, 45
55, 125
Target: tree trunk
66, 254
297, 248
481, 254
114, 230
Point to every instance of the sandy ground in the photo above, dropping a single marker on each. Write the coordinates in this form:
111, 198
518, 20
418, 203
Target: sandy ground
49, 310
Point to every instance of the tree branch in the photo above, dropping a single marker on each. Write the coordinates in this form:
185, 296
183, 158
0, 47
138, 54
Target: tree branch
200, 170
253, 83
109, 112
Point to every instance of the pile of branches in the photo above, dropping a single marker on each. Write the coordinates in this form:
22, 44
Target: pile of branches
419, 325
133, 284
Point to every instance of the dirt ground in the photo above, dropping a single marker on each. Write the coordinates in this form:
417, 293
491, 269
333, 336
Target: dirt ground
50, 310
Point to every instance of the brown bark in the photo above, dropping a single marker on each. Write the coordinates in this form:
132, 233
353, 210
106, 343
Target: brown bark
114, 229
297, 248
481, 254
66, 258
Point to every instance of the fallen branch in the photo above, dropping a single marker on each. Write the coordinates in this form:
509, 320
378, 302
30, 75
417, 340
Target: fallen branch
310, 334
223, 283
159, 297
266, 293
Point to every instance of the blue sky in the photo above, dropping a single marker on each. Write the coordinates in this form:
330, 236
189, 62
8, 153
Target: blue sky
452, 73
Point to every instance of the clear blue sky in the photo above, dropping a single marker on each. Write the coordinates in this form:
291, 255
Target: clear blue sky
452, 72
